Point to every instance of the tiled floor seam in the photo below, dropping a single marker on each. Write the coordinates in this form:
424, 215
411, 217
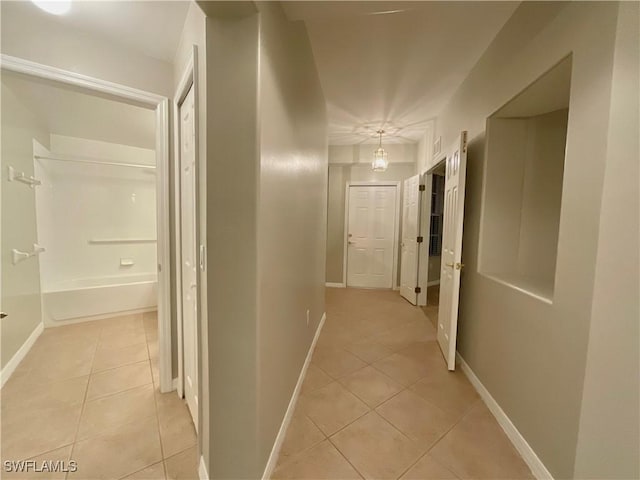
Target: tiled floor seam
98, 372
362, 400
155, 404
462, 417
107, 395
346, 459
297, 454
84, 403
301, 452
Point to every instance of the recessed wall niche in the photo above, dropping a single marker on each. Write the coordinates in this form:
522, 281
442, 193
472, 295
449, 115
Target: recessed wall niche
525, 153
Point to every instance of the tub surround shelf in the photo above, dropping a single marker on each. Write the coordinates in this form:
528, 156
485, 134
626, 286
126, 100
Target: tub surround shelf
109, 241
15, 176
18, 256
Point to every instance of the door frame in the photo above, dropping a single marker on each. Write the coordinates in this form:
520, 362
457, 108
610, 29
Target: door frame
188, 80
395, 285
425, 228
160, 105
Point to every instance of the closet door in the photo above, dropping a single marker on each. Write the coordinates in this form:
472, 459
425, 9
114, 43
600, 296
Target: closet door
370, 236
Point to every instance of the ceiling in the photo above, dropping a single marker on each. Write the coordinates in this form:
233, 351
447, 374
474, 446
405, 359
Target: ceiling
547, 94
394, 64
152, 28
67, 111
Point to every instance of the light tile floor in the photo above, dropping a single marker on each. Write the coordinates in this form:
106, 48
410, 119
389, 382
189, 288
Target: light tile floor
378, 402
89, 392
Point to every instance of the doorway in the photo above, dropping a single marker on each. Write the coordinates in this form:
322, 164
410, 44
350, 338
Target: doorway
436, 223
371, 234
156, 174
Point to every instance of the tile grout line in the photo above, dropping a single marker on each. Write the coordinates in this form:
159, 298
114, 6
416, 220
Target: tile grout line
155, 403
346, 459
462, 417
84, 401
295, 455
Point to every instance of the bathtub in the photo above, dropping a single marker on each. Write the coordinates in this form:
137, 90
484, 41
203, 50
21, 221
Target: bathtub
95, 298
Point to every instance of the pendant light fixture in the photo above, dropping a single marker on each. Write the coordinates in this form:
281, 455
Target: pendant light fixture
380, 161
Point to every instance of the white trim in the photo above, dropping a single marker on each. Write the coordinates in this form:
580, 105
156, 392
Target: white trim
528, 454
396, 235
275, 451
433, 283
161, 106
335, 285
202, 470
187, 81
13, 363
27, 67
163, 247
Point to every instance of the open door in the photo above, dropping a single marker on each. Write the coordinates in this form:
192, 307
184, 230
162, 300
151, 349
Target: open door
451, 267
189, 287
411, 201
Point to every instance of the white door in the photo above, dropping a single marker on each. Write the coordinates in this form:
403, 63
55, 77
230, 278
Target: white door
370, 236
456, 165
411, 200
189, 254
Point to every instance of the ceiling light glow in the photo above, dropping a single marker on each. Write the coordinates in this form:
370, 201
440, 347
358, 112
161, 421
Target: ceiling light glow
55, 7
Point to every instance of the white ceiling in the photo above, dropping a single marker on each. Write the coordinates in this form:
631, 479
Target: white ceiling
65, 111
394, 64
152, 28
547, 94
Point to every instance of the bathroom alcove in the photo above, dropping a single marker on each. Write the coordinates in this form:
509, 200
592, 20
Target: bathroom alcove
525, 153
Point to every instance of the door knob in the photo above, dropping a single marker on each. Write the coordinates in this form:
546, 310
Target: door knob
351, 243
3, 315
457, 266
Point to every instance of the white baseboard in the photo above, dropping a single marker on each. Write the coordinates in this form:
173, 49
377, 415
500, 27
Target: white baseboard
174, 383
202, 470
335, 285
12, 364
275, 451
535, 464
433, 283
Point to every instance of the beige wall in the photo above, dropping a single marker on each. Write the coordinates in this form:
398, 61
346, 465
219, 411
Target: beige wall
541, 196
608, 443
43, 39
523, 192
266, 178
194, 33
531, 355
292, 216
21, 282
353, 164
231, 238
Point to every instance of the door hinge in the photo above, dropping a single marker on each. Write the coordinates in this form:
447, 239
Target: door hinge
422, 188
417, 290
464, 141
202, 257
420, 239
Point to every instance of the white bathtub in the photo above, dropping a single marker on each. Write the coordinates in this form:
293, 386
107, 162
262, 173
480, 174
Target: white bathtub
94, 298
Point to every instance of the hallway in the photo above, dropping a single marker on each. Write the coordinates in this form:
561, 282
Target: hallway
377, 402
89, 393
